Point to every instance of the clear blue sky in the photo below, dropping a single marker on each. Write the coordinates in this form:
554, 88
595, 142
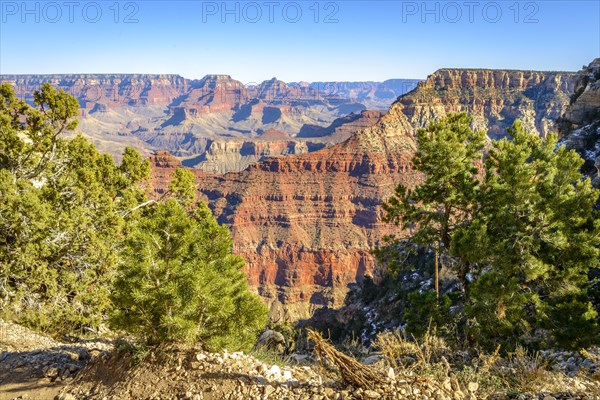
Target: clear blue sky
257, 40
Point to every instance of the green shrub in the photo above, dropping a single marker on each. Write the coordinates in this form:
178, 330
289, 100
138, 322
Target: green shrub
497, 313
426, 313
573, 322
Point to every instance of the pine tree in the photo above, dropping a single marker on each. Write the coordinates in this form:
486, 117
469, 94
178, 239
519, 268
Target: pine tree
447, 155
536, 237
179, 282
523, 232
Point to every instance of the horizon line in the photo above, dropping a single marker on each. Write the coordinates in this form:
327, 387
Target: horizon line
198, 79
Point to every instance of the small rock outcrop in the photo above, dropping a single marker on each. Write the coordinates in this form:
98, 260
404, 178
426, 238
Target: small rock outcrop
36, 366
580, 124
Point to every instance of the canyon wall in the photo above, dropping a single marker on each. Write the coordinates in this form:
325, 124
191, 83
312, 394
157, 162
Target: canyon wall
495, 98
580, 124
98, 92
306, 223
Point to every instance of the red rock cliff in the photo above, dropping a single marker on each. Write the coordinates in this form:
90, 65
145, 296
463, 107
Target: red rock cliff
306, 224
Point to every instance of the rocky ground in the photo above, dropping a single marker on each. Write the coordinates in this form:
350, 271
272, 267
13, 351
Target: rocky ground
36, 367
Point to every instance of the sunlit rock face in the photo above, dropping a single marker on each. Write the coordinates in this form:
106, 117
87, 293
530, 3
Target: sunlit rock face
580, 124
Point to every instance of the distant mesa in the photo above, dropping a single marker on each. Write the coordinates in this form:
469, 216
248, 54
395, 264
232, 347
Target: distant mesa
272, 134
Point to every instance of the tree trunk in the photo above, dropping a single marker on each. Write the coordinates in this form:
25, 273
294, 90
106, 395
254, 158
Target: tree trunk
437, 274
462, 277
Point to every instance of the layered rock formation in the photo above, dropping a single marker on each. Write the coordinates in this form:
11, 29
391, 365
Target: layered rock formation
212, 94
580, 124
223, 156
98, 92
495, 98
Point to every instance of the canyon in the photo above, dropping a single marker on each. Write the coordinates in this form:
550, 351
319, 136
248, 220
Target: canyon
234, 154
307, 224
215, 123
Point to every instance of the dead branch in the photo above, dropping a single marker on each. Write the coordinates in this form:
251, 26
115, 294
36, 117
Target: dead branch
352, 371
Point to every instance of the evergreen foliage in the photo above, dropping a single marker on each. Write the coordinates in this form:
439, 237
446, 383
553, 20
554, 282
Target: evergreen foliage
179, 282
62, 214
79, 239
535, 238
523, 233
447, 154
427, 312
